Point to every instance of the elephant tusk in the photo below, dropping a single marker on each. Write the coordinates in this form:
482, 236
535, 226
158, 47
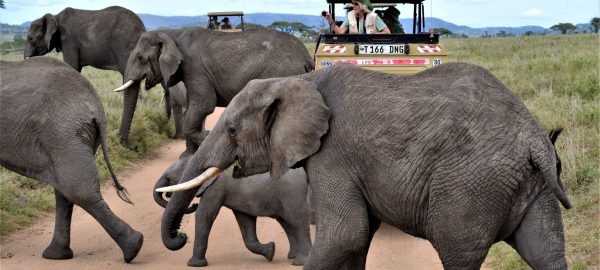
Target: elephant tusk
125, 86
196, 182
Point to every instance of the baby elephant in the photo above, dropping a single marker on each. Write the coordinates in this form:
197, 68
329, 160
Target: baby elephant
284, 200
52, 123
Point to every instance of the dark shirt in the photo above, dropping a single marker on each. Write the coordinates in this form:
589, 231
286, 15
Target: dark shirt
395, 28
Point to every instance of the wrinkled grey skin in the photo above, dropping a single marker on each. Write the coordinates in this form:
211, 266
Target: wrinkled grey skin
448, 154
178, 104
53, 123
99, 38
283, 200
214, 66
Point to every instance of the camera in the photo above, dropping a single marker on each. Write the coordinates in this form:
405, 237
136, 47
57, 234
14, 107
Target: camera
323, 13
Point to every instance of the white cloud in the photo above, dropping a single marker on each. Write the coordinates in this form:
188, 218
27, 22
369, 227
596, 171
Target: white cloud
534, 12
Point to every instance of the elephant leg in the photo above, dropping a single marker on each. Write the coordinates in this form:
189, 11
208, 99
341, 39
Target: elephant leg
59, 248
361, 258
78, 180
167, 101
71, 57
299, 237
539, 238
178, 118
462, 231
247, 226
130, 97
129, 240
206, 213
342, 224
193, 127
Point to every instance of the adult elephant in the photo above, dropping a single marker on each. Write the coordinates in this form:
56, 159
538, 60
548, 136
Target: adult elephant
52, 123
214, 66
448, 154
102, 39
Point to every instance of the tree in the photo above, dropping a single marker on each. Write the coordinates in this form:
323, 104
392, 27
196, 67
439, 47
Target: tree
528, 33
252, 25
293, 28
595, 24
564, 28
2, 4
443, 31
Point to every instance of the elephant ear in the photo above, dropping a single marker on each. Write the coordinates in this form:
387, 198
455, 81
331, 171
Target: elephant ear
170, 57
297, 118
51, 25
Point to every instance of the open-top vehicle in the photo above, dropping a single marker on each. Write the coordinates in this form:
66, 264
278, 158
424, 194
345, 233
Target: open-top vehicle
217, 15
393, 53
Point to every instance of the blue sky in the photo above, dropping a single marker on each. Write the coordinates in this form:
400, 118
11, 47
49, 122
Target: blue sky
473, 13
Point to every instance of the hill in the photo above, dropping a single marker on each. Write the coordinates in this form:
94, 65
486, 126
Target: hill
155, 21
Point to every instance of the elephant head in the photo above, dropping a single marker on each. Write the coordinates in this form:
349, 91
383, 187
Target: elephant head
42, 36
271, 125
155, 58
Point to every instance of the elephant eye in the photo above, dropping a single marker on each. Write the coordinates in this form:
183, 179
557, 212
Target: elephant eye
231, 132
139, 56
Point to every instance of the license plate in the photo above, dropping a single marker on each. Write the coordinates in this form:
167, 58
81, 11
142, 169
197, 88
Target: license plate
380, 49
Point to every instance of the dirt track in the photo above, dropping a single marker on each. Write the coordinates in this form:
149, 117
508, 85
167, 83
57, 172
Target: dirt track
94, 249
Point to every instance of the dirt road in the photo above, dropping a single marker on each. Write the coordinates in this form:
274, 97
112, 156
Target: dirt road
94, 249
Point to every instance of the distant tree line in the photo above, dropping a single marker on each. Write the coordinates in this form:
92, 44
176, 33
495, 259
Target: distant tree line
298, 29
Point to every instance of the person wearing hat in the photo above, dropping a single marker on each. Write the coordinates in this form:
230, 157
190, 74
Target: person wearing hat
225, 24
390, 18
360, 20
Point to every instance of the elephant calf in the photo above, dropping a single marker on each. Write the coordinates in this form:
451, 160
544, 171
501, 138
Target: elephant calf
284, 199
53, 122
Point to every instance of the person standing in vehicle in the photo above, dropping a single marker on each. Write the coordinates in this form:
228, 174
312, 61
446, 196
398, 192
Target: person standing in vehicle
212, 24
390, 18
360, 20
225, 24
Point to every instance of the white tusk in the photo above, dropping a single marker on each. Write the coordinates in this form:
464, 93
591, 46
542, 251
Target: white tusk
196, 182
125, 86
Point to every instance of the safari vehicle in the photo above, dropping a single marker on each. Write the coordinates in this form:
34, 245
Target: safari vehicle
393, 53
219, 15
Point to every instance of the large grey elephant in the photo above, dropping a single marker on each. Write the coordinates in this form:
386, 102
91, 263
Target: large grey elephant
256, 196
52, 123
214, 66
102, 39
448, 154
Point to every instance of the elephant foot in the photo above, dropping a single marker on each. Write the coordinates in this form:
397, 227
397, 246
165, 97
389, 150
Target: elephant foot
53, 252
299, 260
269, 251
132, 246
197, 262
126, 144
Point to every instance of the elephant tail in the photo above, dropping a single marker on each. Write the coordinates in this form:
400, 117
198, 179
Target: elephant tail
121, 191
551, 167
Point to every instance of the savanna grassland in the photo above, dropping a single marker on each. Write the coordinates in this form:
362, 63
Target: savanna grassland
557, 77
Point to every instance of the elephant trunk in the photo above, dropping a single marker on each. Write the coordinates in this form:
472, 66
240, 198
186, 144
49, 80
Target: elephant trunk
160, 199
129, 103
158, 196
171, 221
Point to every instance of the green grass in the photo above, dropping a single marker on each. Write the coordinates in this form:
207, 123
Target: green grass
22, 200
558, 79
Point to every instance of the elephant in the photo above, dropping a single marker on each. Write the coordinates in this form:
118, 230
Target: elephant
178, 104
57, 123
284, 200
448, 154
214, 66
99, 38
